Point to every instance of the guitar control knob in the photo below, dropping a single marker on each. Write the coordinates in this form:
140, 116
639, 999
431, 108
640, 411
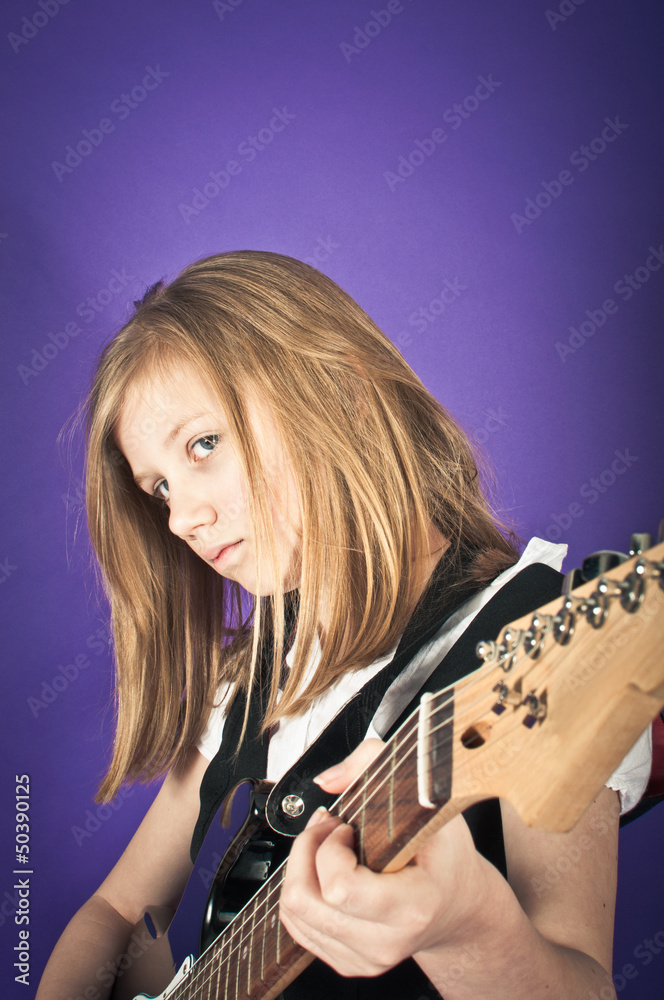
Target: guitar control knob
292, 805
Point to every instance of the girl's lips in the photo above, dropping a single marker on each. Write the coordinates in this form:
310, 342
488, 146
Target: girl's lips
225, 554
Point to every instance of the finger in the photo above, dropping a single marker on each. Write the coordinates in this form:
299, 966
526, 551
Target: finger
337, 868
340, 911
318, 816
347, 942
360, 943
328, 942
349, 887
304, 913
336, 779
320, 868
301, 888
319, 875
323, 864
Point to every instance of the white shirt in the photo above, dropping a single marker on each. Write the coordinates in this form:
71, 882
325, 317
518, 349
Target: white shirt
294, 735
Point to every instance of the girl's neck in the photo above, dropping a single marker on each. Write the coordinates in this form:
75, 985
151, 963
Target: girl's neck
437, 546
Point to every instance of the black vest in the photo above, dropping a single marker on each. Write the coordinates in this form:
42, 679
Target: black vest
532, 587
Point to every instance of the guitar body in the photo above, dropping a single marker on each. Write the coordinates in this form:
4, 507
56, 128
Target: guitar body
239, 853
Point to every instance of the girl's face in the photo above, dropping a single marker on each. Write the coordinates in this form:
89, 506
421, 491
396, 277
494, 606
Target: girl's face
180, 451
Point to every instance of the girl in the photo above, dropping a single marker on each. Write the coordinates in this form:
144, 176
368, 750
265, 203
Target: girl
259, 454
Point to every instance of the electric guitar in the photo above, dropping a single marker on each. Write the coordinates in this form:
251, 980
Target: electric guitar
572, 686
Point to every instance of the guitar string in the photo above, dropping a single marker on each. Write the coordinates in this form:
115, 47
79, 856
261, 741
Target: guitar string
472, 679
476, 677
239, 923
407, 730
456, 691
386, 763
238, 928
434, 710
247, 912
535, 663
204, 964
405, 733
402, 735
439, 707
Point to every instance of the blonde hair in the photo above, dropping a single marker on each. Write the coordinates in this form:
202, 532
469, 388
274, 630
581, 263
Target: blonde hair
376, 461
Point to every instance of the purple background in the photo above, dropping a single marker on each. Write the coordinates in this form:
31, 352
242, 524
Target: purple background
549, 423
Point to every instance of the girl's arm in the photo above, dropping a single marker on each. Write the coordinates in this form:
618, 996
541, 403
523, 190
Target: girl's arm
152, 871
547, 933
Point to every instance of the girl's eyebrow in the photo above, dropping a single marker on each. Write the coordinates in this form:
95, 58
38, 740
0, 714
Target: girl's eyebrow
172, 434
140, 477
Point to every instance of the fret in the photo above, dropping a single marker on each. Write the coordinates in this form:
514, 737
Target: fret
263, 937
214, 965
228, 970
235, 950
210, 976
360, 827
251, 947
275, 917
237, 976
243, 949
223, 954
270, 922
390, 800
201, 978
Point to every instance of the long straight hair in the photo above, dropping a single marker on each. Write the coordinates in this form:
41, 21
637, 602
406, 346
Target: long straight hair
376, 461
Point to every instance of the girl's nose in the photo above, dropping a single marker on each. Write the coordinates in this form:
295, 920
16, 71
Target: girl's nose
189, 514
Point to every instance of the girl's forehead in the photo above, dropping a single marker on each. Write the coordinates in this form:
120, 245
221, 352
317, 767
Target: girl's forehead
157, 403
169, 390
170, 395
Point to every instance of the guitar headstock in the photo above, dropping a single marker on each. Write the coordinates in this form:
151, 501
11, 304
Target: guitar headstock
563, 695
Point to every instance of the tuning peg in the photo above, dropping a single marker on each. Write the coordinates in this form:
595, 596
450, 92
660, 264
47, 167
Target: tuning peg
640, 542
572, 580
660, 532
598, 563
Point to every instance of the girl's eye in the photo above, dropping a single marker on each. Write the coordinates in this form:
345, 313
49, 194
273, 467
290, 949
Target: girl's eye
161, 491
203, 446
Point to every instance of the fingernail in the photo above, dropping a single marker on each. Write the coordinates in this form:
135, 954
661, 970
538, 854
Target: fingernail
330, 775
318, 816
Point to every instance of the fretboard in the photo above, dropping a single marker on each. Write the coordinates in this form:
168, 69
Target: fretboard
254, 957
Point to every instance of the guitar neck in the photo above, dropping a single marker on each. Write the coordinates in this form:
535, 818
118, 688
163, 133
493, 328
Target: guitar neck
254, 956
571, 688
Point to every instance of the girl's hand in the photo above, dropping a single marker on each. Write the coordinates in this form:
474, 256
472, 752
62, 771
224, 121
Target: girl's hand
362, 923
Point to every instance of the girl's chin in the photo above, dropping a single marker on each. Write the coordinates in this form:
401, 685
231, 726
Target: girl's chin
228, 565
